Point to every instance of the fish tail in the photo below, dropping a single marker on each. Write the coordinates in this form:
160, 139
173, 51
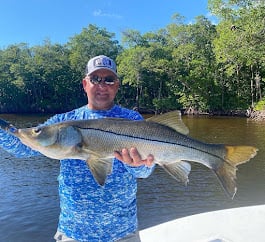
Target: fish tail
235, 155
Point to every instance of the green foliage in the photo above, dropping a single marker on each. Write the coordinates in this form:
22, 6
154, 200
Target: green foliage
92, 41
199, 66
260, 105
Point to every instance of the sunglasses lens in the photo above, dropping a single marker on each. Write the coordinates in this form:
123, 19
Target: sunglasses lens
95, 80
109, 80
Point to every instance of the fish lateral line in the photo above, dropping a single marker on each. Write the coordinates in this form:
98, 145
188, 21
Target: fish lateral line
156, 140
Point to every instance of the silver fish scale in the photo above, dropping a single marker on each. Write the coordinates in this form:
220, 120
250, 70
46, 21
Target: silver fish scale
164, 143
149, 131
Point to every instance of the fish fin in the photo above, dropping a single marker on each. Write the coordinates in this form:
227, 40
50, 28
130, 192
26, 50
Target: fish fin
179, 170
172, 120
235, 155
100, 168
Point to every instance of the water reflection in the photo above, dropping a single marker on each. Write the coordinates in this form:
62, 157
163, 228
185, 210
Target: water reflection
29, 205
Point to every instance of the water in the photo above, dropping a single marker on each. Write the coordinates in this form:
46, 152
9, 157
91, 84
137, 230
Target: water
29, 205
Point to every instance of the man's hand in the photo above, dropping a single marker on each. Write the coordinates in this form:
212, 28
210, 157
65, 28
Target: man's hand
132, 157
7, 126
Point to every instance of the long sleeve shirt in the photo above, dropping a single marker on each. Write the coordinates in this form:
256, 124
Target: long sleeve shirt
90, 212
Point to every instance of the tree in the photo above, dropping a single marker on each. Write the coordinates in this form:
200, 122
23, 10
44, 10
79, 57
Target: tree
193, 63
49, 78
12, 66
92, 41
143, 67
239, 47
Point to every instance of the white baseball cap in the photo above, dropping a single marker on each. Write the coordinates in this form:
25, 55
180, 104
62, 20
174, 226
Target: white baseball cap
101, 62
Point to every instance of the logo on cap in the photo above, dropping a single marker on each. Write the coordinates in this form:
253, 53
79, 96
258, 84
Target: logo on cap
100, 62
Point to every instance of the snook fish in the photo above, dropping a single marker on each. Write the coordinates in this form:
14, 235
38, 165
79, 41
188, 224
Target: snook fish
164, 136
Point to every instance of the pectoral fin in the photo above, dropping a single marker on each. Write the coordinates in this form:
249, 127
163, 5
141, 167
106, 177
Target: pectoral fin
100, 168
179, 170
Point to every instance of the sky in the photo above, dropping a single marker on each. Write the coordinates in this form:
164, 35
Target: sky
34, 21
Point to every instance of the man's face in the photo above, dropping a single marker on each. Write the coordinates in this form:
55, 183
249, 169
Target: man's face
100, 96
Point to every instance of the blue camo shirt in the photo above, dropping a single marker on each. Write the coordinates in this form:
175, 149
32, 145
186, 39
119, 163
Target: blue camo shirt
90, 212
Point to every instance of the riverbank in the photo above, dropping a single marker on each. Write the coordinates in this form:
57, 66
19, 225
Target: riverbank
257, 115
252, 114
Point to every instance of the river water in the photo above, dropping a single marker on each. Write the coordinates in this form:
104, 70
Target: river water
29, 205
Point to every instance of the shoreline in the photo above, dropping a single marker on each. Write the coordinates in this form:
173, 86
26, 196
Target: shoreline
257, 115
251, 114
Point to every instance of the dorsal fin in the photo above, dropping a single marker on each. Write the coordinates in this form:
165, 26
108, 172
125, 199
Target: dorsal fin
172, 120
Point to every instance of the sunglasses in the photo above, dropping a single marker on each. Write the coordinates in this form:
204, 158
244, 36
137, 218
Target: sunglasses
108, 80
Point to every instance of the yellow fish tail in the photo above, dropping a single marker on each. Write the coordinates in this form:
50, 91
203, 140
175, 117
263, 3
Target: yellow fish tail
235, 155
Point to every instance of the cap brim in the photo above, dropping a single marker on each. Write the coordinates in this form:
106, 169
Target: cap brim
103, 68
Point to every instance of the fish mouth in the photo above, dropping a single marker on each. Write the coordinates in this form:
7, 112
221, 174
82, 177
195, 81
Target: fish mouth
24, 138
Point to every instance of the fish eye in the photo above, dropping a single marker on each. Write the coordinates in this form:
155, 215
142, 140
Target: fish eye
36, 130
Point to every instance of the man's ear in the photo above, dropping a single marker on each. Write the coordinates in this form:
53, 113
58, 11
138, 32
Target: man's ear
84, 82
119, 82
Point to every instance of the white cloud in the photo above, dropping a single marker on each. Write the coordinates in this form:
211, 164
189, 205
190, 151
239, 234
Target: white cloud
100, 13
212, 18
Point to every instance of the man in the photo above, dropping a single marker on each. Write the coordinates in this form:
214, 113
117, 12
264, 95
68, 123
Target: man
90, 212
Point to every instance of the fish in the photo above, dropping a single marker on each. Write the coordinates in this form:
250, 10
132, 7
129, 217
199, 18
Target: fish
165, 136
